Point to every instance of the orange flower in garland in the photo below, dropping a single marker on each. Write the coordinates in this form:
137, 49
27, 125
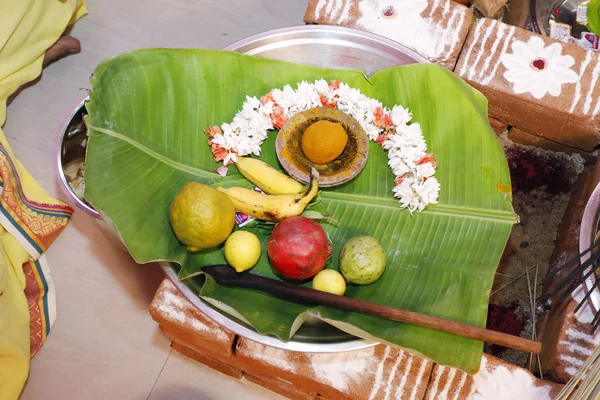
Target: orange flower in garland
382, 138
382, 119
267, 97
212, 131
326, 102
278, 117
219, 153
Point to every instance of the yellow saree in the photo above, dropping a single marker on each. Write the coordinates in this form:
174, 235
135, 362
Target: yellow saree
30, 219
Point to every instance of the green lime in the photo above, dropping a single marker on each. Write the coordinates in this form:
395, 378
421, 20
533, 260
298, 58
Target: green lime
362, 260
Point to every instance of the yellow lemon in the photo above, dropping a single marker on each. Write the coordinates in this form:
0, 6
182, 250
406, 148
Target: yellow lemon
330, 281
201, 217
324, 141
242, 250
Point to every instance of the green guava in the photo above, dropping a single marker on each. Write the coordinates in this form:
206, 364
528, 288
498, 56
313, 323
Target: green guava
362, 260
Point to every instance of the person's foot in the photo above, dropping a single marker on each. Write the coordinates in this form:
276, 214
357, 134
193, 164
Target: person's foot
63, 47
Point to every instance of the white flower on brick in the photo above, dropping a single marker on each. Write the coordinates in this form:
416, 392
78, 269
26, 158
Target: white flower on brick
415, 184
538, 69
399, 20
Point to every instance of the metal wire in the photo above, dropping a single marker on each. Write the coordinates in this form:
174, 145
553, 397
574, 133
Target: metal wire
576, 276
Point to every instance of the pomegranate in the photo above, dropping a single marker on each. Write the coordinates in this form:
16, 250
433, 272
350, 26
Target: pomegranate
298, 248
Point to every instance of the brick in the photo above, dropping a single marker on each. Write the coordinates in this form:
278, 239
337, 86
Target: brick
520, 136
375, 372
205, 351
570, 115
282, 387
566, 337
567, 340
208, 361
437, 30
498, 126
496, 379
187, 324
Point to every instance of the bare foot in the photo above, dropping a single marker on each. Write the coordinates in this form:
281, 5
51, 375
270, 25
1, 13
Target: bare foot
63, 47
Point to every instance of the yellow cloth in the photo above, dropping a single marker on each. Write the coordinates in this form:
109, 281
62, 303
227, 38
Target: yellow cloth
27, 29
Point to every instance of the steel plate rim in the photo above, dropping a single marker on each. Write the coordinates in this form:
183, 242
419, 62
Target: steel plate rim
248, 333
328, 29
589, 226
58, 166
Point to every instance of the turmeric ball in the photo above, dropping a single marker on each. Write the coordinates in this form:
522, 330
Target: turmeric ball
324, 141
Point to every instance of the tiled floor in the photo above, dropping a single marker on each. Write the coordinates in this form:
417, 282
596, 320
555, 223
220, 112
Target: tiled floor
104, 344
184, 378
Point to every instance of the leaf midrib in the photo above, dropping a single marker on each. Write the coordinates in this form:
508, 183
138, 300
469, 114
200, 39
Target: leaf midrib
165, 160
434, 209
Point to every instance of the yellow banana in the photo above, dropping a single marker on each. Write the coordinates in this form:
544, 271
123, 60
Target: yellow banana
272, 207
266, 177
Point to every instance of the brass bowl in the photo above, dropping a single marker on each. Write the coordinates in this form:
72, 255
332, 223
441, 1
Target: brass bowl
342, 169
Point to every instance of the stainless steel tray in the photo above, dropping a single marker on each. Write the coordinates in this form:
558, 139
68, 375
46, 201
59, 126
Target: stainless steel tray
321, 46
590, 225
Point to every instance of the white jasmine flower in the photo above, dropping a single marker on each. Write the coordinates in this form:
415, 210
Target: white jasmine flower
286, 98
417, 186
343, 91
372, 131
307, 96
412, 133
227, 129
425, 170
394, 142
246, 145
261, 123
399, 167
408, 198
428, 190
253, 102
322, 86
246, 112
400, 115
240, 123
230, 158
277, 95
266, 109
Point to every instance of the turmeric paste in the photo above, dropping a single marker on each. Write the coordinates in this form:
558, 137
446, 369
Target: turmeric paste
324, 141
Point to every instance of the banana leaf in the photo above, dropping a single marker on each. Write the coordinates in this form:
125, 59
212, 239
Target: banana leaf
147, 112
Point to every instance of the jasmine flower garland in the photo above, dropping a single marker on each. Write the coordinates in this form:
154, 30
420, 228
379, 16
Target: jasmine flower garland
414, 168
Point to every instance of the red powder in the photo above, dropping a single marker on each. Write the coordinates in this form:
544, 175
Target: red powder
530, 169
504, 319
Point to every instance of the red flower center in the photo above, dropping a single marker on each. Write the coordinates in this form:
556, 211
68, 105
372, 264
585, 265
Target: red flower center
389, 12
539, 64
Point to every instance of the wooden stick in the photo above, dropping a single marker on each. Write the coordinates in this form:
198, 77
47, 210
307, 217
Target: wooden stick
226, 275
